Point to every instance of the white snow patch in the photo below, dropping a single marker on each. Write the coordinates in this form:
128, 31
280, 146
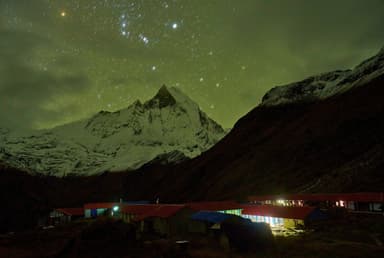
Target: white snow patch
117, 141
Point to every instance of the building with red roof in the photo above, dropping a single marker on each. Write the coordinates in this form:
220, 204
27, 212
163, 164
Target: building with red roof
65, 215
162, 219
282, 215
130, 212
92, 210
365, 201
137, 212
161, 211
228, 207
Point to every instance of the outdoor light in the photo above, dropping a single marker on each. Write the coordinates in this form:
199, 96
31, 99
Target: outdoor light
116, 208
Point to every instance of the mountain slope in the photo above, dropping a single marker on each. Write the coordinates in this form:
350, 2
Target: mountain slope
316, 144
327, 84
116, 141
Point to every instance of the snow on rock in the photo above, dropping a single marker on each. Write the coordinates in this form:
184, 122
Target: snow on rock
169, 126
327, 84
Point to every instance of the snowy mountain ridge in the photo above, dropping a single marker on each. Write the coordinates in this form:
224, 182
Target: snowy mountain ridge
327, 84
167, 128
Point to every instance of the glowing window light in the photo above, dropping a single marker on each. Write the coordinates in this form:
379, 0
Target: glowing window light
281, 201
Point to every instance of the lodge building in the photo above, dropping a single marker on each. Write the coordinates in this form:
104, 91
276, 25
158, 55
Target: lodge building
354, 202
279, 211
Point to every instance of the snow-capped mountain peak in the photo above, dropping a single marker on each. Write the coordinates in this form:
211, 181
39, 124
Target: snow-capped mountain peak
170, 122
327, 84
162, 99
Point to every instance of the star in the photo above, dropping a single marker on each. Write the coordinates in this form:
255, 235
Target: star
144, 39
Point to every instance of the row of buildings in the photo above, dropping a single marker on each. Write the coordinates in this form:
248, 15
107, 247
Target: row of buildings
279, 211
354, 202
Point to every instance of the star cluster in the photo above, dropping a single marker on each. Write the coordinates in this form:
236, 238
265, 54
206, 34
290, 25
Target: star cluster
83, 56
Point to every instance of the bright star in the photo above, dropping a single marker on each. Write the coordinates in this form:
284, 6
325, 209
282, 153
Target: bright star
144, 39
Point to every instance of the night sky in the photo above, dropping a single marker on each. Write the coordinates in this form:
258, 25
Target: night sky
63, 60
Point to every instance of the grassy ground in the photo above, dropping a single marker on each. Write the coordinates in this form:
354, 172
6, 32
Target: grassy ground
351, 236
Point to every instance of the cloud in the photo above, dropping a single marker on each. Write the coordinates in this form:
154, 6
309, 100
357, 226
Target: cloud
26, 88
319, 33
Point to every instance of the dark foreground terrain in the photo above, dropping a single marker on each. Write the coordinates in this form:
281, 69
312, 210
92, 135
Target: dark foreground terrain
352, 237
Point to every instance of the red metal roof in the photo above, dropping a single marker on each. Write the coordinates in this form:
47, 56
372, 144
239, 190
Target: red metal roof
214, 206
359, 197
71, 211
136, 209
278, 211
100, 205
161, 211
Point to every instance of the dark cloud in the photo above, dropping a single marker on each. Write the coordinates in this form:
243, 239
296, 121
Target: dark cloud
321, 33
25, 88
